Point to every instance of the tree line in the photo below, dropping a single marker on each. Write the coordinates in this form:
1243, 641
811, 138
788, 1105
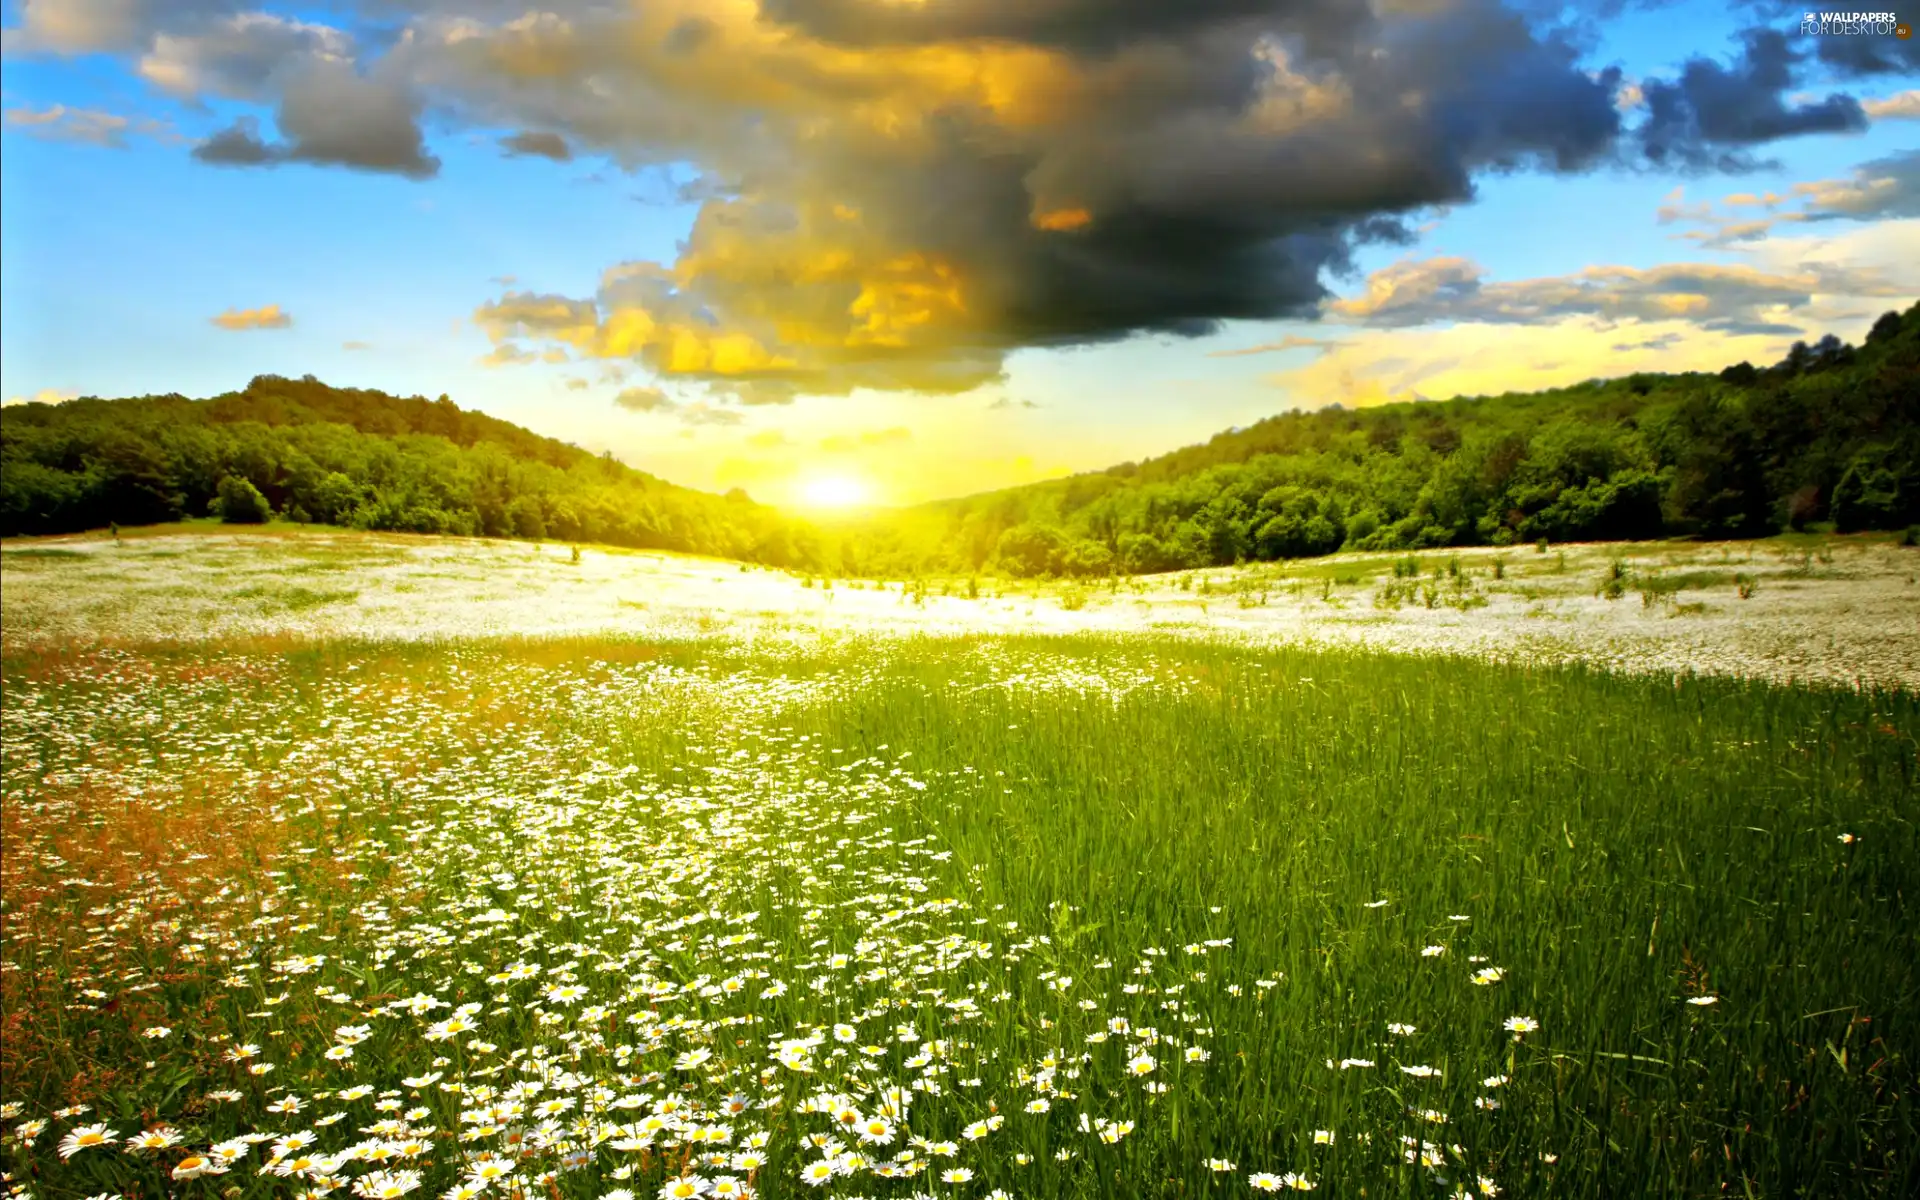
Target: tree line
304, 451
1828, 436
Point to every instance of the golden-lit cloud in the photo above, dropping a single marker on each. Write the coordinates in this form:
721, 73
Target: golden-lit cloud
1881, 189
267, 316
43, 396
1063, 220
1734, 298
894, 198
1478, 359
897, 196
1899, 106
508, 354
1440, 329
644, 399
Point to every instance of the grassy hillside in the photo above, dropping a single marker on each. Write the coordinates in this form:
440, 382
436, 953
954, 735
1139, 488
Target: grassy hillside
310, 452
1830, 434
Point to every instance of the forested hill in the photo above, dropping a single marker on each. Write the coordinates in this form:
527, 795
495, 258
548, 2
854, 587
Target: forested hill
1829, 434
309, 452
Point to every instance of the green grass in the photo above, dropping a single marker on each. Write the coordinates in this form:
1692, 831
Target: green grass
34, 552
1685, 581
1620, 845
276, 598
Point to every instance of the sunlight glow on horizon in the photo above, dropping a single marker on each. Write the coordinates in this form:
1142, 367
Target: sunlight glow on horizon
835, 491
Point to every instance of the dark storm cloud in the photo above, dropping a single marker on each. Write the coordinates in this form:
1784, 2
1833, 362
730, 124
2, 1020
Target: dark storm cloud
644, 399
1865, 56
1095, 25
332, 116
238, 145
540, 145
1713, 113
898, 195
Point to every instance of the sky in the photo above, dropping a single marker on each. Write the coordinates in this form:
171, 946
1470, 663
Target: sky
886, 251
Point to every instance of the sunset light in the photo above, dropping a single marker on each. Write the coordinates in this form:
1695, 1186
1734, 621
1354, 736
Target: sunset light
809, 599
835, 491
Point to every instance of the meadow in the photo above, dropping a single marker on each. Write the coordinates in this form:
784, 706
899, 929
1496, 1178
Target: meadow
897, 907
1801, 608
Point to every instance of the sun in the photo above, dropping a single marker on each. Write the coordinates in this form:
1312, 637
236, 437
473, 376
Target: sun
834, 491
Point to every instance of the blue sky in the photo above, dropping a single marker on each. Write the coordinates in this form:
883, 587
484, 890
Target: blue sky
120, 248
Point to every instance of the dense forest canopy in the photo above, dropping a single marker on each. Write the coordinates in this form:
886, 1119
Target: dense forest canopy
1829, 434
357, 458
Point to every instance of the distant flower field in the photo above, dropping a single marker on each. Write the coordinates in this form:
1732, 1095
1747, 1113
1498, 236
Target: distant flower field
1802, 608
605, 916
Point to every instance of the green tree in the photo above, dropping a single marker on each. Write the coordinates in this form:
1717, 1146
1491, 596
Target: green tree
240, 503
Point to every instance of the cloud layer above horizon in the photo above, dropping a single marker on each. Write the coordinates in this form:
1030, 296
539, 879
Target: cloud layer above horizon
897, 196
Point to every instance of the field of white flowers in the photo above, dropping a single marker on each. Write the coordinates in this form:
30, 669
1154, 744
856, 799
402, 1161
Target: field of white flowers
848, 914
1836, 610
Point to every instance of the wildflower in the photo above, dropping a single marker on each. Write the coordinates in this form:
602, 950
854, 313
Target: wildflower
193, 1166
1487, 975
229, 1152
85, 1137
386, 1185
1323, 1137
1401, 1030
684, 1188
956, 1175
820, 1172
1141, 1064
1703, 1001
158, 1138
155, 1031
1420, 1072
1261, 1181
1219, 1164
1520, 1026
1432, 951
